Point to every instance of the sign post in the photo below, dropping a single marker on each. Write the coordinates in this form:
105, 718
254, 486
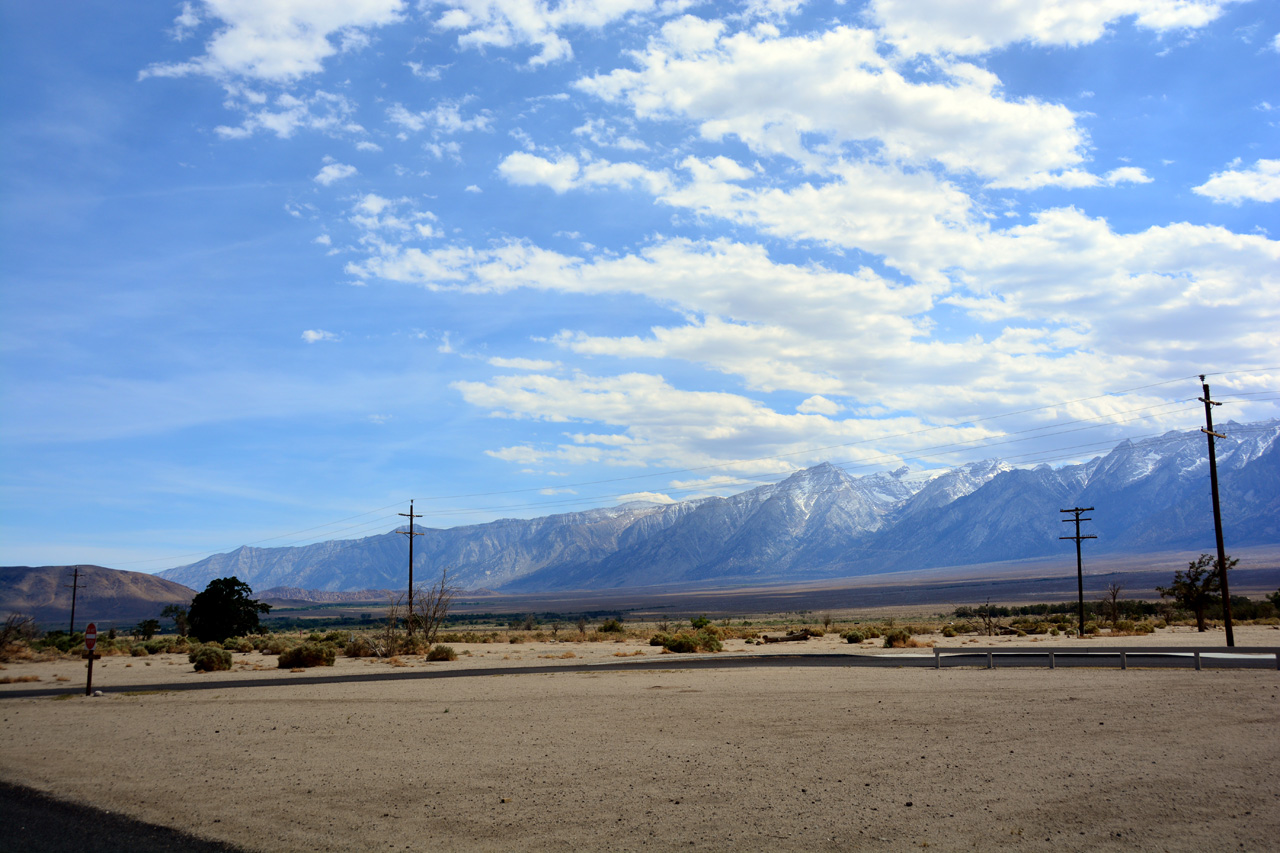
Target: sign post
90, 640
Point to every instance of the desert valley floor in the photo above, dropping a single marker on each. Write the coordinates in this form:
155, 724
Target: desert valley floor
778, 759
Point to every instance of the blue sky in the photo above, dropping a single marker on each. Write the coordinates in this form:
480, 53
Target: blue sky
273, 268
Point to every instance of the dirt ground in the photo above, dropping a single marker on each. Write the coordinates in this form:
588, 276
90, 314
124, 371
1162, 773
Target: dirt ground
775, 759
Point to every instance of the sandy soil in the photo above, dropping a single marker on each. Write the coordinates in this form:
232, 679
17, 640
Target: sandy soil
773, 759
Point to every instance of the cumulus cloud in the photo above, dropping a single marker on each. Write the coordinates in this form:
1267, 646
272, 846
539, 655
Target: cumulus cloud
334, 172
811, 97
1259, 182
537, 24
566, 173
942, 26
287, 113
312, 336
523, 363
278, 41
445, 118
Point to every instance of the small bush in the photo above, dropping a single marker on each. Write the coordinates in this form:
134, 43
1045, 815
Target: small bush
239, 644
948, 631
307, 654
360, 647
897, 638
611, 626
139, 650
442, 653
700, 622
687, 642
853, 637
210, 658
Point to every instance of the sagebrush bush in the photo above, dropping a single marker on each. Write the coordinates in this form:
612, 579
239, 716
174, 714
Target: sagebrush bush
686, 642
307, 654
442, 653
139, 650
210, 658
948, 631
897, 638
239, 644
853, 636
611, 626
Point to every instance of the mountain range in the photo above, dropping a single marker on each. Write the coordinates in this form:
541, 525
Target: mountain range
820, 522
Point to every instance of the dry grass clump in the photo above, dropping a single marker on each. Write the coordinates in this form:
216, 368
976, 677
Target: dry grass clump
18, 679
440, 653
210, 658
307, 654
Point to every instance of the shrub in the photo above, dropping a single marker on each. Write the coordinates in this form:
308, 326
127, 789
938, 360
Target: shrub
239, 644
274, 646
687, 641
896, 638
948, 631
210, 658
611, 626
307, 654
854, 636
156, 646
360, 647
700, 622
139, 650
442, 653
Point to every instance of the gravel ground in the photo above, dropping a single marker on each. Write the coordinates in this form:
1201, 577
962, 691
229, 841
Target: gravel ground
774, 759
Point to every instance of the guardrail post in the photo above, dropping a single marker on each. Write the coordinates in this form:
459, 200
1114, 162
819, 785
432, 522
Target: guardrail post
1197, 654
937, 658
1051, 664
1124, 664
990, 660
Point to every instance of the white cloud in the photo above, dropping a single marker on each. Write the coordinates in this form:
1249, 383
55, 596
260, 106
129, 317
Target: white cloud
1126, 175
312, 336
566, 173
445, 118
334, 172
1260, 182
813, 98
278, 40
523, 363
652, 423
186, 22
647, 497
818, 405
323, 240
365, 145
319, 111
943, 26
537, 24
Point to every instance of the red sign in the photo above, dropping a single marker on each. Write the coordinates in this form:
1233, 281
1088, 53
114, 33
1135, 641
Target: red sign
90, 636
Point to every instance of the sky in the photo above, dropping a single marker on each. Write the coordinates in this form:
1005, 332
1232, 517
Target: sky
273, 268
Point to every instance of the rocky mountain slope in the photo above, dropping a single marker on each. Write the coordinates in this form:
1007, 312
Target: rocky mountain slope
819, 523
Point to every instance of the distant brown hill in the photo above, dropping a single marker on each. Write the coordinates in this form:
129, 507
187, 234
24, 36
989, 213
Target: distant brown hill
108, 597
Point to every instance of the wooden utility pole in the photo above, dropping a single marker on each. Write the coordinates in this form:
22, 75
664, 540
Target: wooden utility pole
75, 583
1079, 563
410, 534
1217, 508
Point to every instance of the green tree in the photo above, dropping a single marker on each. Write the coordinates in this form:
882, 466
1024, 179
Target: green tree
146, 629
178, 614
1199, 587
1274, 598
224, 610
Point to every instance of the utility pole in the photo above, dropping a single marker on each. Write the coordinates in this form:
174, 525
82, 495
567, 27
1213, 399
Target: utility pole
1217, 508
410, 534
75, 583
1079, 563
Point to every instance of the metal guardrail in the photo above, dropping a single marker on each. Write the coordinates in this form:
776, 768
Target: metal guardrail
1106, 651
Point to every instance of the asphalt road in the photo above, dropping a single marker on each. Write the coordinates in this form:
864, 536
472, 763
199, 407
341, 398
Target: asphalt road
1173, 659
